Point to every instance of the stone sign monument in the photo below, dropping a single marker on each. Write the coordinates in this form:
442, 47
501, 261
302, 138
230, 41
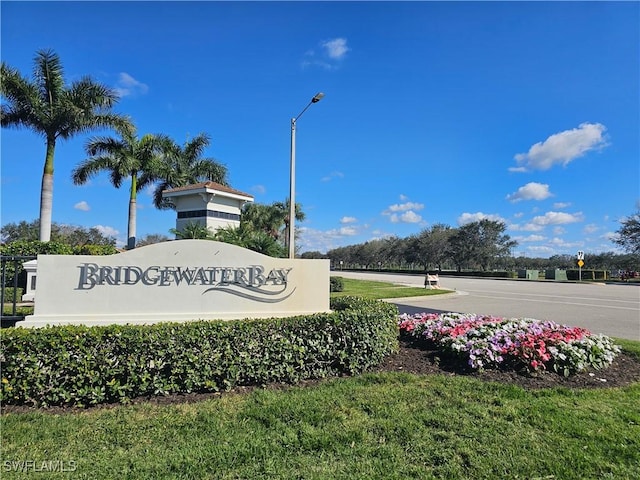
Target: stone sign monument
179, 280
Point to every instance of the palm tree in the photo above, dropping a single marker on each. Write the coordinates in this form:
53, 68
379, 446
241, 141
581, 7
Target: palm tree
54, 110
125, 157
193, 230
272, 219
184, 165
245, 236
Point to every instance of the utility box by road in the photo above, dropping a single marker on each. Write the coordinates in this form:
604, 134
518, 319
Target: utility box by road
529, 274
556, 274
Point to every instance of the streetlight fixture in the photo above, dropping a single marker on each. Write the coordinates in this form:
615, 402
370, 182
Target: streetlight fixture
292, 181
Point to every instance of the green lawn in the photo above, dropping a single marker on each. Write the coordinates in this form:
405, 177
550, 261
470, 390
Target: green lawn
388, 426
379, 290
21, 310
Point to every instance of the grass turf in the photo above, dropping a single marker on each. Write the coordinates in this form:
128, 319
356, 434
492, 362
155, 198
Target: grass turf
379, 290
391, 426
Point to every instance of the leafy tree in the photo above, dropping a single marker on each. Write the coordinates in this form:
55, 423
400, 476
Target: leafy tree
628, 235
125, 157
54, 110
314, 255
193, 230
391, 251
68, 234
152, 238
184, 165
432, 246
22, 231
480, 244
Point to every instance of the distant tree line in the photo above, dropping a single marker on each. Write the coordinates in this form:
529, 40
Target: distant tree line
72, 235
478, 246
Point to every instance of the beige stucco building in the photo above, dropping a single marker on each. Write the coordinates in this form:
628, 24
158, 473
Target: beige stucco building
207, 203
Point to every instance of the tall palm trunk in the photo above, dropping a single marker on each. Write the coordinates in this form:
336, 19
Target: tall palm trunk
131, 227
46, 192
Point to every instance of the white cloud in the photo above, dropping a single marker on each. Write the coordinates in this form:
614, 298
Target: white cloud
541, 250
530, 238
331, 176
407, 217
530, 191
312, 239
591, 228
562, 148
527, 227
128, 86
84, 206
476, 217
348, 220
403, 207
107, 231
559, 230
560, 205
332, 52
559, 242
348, 231
404, 212
557, 218
336, 48
259, 189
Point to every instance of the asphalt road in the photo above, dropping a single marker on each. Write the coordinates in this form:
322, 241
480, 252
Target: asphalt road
612, 309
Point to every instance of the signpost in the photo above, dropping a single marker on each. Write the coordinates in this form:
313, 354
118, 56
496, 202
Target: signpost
580, 264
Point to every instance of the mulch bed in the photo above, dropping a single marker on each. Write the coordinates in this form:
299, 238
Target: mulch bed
417, 358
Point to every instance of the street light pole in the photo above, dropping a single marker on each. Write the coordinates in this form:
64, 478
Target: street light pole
292, 178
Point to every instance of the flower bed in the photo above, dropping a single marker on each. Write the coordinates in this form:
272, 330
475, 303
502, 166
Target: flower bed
519, 343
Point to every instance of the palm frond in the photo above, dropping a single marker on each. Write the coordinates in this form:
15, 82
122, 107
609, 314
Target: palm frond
49, 76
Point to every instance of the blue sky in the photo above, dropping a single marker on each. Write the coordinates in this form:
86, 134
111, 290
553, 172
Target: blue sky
434, 112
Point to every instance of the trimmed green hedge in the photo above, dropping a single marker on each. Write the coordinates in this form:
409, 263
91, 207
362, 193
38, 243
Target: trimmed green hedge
587, 274
77, 365
336, 284
442, 273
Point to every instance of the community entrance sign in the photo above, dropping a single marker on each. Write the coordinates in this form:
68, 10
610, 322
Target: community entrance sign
176, 281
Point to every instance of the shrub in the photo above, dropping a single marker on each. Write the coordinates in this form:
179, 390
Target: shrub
35, 247
336, 284
78, 365
8, 294
90, 249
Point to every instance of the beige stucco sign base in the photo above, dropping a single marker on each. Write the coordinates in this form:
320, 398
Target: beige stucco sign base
180, 280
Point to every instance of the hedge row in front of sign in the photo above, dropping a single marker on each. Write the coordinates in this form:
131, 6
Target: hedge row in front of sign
81, 366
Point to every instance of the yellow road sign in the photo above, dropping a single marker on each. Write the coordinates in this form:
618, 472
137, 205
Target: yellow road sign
580, 263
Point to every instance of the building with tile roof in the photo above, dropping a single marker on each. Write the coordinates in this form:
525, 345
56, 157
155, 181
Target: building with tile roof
207, 203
